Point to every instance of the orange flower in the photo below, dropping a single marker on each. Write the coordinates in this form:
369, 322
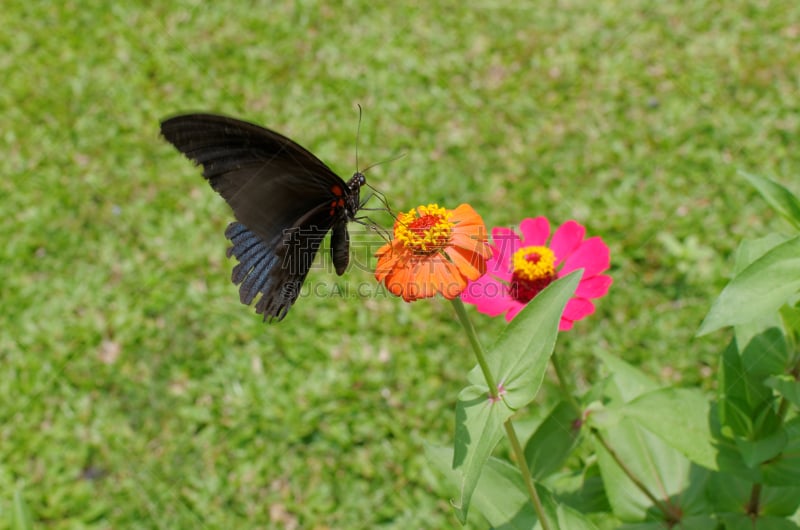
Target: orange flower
435, 250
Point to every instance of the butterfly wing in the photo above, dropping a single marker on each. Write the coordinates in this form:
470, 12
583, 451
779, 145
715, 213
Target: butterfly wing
280, 193
277, 272
267, 179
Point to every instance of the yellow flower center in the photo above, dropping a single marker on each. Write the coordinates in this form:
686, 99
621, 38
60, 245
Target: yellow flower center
534, 263
425, 229
534, 269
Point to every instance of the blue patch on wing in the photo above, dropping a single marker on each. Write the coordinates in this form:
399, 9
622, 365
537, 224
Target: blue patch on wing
256, 260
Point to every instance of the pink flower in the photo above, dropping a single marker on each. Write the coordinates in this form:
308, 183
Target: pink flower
523, 266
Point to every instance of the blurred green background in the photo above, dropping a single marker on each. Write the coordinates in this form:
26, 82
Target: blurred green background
138, 393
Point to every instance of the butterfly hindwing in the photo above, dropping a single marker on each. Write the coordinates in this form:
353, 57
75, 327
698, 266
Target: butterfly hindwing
276, 272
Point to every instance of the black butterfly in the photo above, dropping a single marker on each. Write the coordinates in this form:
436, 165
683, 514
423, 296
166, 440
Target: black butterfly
284, 198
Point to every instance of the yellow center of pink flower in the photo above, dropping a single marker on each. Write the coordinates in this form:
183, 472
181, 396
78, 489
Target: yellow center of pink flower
425, 229
534, 269
534, 263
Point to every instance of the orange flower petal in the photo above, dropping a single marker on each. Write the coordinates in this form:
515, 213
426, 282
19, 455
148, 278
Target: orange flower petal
462, 257
471, 264
471, 244
438, 275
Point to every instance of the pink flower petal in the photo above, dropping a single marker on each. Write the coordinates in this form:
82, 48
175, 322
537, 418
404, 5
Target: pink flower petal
499, 268
489, 296
494, 306
593, 287
564, 324
505, 242
535, 231
483, 287
481, 284
577, 308
592, 256
566, 239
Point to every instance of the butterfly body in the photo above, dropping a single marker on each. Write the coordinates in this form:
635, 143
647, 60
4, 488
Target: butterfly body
284, 198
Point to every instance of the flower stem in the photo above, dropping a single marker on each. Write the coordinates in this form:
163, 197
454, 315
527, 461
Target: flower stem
519, 455
461, 312
516, 447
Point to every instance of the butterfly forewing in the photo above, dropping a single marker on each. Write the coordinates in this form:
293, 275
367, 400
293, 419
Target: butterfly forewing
284, 198
267, 179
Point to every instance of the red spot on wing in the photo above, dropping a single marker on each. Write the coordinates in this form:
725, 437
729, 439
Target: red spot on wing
335, 206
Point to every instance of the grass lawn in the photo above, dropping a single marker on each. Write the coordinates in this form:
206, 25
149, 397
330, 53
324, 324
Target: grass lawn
138, 392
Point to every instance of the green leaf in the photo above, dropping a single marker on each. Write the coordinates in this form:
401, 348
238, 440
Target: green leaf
501, 482
785, 469
754, 452
765, 355
729, 459
780, 501
553, 441
790, 318
735, 521
749, 251
680, 417
787, 386
500, 494
746, 405
562, 517
760, 289
780, 198
582, 490
732, 493
662, 469
519, 358
735, 409
479, 427
694, 522
517, 361
629, 381
501, 497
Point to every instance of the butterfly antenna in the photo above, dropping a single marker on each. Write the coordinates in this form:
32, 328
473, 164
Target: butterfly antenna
358, 138
396, 157
381, 197
358, 134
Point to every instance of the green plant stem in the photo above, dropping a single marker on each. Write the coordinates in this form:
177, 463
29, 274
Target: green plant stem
527, 477
563, 384
461, 311
783, 408
516, 447
671, 515
754, 504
